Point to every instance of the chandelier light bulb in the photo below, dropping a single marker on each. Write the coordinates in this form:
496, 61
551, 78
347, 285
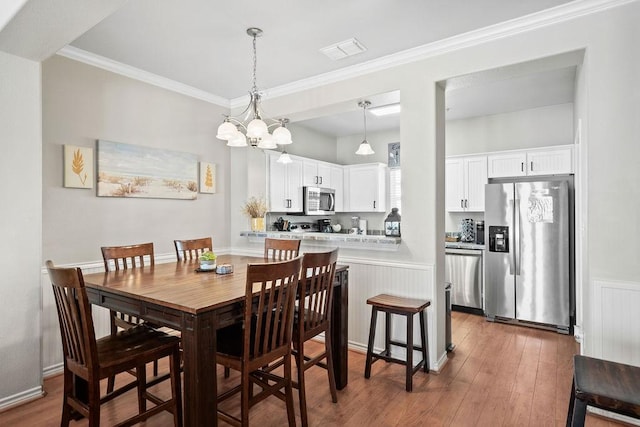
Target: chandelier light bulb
237, 140
257, 129
267, 142
282, 136
226, 130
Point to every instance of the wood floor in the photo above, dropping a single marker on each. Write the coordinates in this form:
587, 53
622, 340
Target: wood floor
498, 375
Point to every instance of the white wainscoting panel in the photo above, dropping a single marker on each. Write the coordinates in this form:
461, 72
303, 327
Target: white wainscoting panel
616, 323
370, 278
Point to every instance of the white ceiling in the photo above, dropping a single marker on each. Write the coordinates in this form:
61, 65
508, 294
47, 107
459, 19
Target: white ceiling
203, 43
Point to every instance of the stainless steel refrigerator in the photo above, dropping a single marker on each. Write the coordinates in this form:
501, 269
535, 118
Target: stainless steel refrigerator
528, 266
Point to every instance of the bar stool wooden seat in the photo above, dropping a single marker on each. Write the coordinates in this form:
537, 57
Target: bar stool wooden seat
390, 304
603, 384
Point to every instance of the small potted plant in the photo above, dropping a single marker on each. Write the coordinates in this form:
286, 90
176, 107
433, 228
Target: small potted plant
207, 261
256, 209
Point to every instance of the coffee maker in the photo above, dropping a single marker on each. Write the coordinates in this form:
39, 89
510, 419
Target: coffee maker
324, 226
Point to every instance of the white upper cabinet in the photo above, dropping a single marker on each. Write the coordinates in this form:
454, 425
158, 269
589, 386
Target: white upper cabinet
465, 178
285, 184
365, 187
337, 183
317, 174
543, 161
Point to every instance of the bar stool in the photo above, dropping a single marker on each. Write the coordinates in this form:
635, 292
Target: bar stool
603, 384
407, 307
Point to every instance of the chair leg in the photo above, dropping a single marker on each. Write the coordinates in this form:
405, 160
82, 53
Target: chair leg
425, 342
299, 356
288, 388
94, 403
227, 371
409, 385
579, 413
155, 368
332, 379
372, 335
244, 397
68, 391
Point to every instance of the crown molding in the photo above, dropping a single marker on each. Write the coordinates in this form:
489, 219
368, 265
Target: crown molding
555, 15
89, 58
558, 14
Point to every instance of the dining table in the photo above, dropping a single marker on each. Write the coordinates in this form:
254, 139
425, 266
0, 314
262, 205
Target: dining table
180, 296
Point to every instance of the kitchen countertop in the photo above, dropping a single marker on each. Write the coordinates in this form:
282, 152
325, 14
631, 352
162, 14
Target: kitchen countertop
374, 242
463, 245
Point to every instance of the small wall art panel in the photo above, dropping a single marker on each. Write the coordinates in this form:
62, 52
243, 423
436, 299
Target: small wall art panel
78, 167
126, 170
207, 177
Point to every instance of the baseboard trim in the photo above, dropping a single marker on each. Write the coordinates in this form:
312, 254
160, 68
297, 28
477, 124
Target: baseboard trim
21, 398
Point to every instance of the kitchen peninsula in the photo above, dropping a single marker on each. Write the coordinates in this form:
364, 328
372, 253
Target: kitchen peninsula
342, 240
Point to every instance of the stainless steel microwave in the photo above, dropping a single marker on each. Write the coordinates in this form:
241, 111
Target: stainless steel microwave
319, 201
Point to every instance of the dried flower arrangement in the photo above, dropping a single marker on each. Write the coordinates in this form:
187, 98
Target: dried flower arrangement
255, 208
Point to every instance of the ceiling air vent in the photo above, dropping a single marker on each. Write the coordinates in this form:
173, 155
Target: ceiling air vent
343, 49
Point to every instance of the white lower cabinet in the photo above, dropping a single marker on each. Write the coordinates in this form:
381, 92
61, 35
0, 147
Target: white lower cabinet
365, 187
543, 161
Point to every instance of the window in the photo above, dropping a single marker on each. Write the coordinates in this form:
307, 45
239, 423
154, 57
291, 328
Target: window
395, 189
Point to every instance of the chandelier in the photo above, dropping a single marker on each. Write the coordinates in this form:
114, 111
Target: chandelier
364, 149
249, 127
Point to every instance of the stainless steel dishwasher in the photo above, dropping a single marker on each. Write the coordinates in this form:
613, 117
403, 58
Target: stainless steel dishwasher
464, 272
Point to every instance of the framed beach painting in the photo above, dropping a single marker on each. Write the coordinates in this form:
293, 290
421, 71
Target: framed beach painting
207, 177
78, 167
127, 170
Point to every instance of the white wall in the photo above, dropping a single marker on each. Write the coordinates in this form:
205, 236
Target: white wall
82, 104
20, 227
536, 127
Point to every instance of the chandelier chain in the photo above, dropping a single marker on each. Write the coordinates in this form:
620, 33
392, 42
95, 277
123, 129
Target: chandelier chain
255, 64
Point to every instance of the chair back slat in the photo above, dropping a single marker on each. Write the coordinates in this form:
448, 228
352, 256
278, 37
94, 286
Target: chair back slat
74, 316
192, 249
275, 286
281, 249
123, 257
316, 294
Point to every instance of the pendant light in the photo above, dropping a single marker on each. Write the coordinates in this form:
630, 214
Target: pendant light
250, 127
364, 149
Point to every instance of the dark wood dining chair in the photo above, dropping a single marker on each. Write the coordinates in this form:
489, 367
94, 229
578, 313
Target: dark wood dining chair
123, 258
263, 338
192, 249
313, 318
92, 360
281, 249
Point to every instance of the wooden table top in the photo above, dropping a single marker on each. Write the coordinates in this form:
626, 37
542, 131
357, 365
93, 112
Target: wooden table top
177, 285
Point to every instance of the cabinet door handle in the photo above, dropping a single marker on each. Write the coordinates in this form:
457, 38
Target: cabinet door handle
531, 166
466, 203
462, 203
374, 204
521, 166
320, 180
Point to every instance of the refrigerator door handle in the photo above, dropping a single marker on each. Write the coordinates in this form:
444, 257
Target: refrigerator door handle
517, 234
512, 263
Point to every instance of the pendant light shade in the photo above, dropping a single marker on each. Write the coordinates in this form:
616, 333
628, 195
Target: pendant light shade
284, 158
364, 149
